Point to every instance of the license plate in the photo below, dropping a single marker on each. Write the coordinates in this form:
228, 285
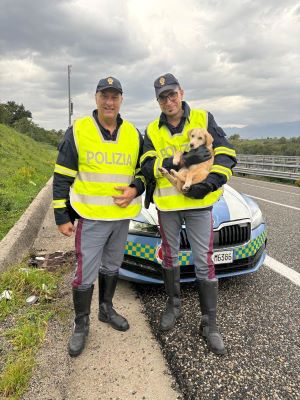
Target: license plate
223, 257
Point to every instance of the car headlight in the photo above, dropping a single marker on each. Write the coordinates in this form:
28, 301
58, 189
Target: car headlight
257, 218
255, 212
143, 228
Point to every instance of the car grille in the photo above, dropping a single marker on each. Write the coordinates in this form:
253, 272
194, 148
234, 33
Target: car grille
228, 235
234, 234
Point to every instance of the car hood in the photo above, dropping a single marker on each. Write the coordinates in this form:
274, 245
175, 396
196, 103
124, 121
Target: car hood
231, 206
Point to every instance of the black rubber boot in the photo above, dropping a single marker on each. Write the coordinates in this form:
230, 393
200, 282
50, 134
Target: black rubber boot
107, 287
204, 318
173, 306
208, 293
82, 305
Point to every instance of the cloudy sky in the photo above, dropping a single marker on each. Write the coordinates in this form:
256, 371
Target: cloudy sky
238, 59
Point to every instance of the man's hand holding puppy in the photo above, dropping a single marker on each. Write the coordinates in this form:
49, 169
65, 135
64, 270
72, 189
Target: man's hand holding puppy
199, 190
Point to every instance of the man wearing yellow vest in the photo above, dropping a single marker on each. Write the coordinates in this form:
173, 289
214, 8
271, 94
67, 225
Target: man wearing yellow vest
163, 137
97, 180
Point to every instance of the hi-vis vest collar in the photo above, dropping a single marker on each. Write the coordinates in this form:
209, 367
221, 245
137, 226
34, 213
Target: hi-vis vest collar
103, 165
166, 196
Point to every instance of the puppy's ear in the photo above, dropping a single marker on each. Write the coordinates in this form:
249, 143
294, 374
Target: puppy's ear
189, 132
208, 139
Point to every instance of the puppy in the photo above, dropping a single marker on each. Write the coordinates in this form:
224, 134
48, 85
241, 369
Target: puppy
185, 177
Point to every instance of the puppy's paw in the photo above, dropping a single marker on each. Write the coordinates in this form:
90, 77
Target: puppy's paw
185, 188
173, 172
163, 171
177, 158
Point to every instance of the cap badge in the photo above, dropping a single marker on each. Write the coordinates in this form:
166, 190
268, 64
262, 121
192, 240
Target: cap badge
110, 81
162, 81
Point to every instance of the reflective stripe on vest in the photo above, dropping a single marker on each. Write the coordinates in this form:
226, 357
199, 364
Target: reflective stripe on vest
166, 196
103, 165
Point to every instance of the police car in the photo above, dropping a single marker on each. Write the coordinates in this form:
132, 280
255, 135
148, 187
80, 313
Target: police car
239, 242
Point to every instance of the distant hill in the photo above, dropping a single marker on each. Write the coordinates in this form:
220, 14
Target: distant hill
284, 129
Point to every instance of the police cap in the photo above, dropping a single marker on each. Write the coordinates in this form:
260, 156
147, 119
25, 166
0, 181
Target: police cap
165, 82
109, 83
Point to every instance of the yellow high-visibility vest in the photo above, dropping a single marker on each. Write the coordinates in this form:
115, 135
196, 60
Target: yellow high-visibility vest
103, 165
166, 196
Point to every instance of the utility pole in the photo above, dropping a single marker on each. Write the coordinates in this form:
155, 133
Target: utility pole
69, 94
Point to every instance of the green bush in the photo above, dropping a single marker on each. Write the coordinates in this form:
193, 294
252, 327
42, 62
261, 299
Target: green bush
275, 146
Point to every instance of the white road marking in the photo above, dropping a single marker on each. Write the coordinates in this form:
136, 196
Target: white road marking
276, 190
273, 202
283, 270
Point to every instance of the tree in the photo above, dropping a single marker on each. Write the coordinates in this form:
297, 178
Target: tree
24, 125
282, 140
236, 136
11, 112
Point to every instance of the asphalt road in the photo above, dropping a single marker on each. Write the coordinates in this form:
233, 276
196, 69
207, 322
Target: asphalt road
283, 221
259, 318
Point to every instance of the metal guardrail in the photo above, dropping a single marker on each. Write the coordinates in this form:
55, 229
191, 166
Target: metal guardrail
284, 167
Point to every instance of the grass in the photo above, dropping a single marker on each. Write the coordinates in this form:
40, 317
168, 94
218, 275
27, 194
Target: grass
24, 281
16, 376
23, 327
26, 165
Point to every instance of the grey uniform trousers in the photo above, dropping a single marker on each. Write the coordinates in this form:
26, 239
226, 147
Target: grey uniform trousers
199, 229
99, 247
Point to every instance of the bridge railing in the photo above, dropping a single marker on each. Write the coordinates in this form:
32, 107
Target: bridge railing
284, 167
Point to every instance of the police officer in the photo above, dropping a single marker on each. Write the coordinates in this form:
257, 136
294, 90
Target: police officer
97, 180
163, 136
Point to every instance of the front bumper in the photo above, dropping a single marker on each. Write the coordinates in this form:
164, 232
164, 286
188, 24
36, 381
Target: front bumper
140, 263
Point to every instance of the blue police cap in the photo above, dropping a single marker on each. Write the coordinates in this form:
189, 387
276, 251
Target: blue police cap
109, 83
165, 82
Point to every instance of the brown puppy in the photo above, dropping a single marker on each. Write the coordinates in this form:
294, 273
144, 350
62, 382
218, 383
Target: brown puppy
185, 177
